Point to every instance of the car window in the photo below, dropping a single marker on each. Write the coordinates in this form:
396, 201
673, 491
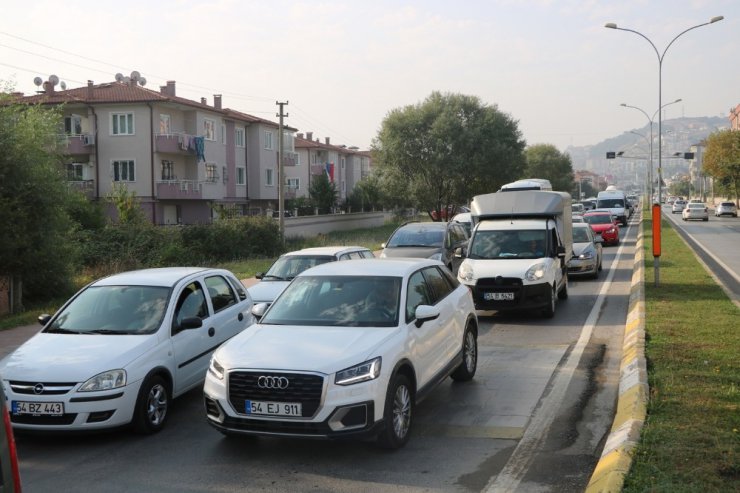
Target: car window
580, 235
415, 235
367, 254
220, 292
238, 287
190, 303
457, 234
417, 294
439, 287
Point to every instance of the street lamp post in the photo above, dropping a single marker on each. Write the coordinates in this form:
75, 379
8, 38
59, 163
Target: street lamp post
651, 121
661, 56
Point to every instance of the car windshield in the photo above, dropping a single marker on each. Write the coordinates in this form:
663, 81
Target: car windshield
610, 203
417, 237
113, 310
580, 235
350, 301
696, 206
508, 244
597, 219
287, 267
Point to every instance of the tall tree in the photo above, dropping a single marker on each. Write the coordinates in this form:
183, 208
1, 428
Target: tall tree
546, 161
445, 150
722, 159
323, 193
36, 250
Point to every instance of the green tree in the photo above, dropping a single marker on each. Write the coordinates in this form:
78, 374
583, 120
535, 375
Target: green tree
323, 193
546, 161
36, 250
446, 149
722, 159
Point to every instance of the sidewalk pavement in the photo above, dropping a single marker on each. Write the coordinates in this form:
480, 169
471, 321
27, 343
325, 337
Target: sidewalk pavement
11, 339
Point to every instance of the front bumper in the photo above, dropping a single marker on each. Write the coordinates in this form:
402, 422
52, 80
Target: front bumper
582, 266
525, 295
82, 410
329, 411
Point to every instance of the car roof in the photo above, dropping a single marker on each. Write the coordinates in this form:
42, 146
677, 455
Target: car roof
463, 217
163, 276
582, 225
397, 266
598, 213
327, 250
696, 205
424, 225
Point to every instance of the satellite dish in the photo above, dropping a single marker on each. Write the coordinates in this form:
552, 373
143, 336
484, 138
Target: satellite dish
119, 76
127, 79
135, 75
63, 85
38, 81
142, 81
54, 79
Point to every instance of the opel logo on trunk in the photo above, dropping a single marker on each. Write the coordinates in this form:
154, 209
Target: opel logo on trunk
267, 382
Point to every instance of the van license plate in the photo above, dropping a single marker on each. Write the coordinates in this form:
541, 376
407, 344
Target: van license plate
498, 296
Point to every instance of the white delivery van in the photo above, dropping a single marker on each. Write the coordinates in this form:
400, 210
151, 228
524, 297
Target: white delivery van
616, 202
519, 250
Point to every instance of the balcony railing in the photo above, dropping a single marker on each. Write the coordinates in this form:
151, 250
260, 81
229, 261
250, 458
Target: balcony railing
80, 144
179, 189
290, 158
177, 143
86, 187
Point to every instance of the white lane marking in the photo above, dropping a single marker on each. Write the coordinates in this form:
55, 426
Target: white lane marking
513, 472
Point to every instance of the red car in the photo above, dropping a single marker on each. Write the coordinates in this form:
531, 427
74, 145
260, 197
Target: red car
604, 226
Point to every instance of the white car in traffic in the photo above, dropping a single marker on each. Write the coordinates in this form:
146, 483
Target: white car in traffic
122, 347
347, 350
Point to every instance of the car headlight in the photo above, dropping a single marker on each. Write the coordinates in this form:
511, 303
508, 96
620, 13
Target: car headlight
216, 369
436, 256
611, 230
536, 272
586, 255
107, 380
369, 370
465, 272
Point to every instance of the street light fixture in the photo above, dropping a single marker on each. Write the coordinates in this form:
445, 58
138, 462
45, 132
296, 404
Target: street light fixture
651, 120
661, 56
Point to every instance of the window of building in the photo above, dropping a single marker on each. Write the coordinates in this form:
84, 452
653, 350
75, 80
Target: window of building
73, 125
297, 159
164, 124
293, 183
225, 174
211, 173
122, 124
344, 186
168, 170
223, 134
239, 137
343, 161
241, 175
74, 171
269, 178
209, 129
268, 140
124, 170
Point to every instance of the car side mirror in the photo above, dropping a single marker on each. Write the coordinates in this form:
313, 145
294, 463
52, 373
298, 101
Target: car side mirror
44, 318
561, 251
259, 309
459, 252
189, 323
598, 240
425, 313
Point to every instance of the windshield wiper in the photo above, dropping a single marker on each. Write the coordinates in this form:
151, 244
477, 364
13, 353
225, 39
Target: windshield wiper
266, 276
59, 330
104, 331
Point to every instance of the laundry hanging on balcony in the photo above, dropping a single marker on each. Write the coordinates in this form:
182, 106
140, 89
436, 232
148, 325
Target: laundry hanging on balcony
200, 148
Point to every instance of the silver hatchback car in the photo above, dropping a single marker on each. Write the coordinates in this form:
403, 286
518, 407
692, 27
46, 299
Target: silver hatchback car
726, 209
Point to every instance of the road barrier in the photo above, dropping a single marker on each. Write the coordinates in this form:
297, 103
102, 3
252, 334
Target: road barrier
616, 458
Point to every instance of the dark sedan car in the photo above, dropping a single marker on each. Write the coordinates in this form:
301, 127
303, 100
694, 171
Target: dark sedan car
435, 240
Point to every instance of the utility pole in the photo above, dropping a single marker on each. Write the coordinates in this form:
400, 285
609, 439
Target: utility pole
281, 178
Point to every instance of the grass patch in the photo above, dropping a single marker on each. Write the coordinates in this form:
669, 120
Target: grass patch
691, 438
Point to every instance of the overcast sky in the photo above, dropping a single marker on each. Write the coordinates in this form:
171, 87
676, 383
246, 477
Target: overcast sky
343, 65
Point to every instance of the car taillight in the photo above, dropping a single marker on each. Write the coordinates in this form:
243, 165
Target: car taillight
12, 450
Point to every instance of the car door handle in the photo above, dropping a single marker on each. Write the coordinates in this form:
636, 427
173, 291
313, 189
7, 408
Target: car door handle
211, 332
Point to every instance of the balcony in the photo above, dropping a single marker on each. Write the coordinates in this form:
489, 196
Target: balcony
175, 143
318, 169
80, 144
290, 158
85, 187
179, 190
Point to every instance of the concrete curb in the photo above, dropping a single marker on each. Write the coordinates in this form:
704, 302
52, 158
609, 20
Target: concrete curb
616, 458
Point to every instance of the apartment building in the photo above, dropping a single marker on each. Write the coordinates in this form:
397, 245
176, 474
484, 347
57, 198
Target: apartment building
181, 158
345, 166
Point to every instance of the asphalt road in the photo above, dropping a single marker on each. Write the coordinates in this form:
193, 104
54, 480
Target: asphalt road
534, 419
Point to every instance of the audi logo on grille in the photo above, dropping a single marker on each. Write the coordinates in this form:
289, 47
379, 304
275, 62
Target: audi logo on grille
267, 382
